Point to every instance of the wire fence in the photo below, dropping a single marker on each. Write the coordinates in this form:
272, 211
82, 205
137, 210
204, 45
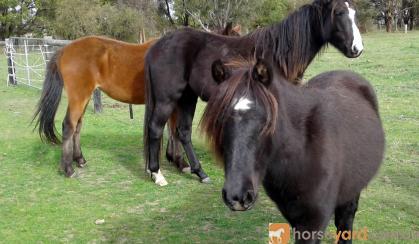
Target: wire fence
27, 59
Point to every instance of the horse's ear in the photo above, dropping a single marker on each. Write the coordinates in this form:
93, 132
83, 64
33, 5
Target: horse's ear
262, 72
237, 29
219, 71
228, 29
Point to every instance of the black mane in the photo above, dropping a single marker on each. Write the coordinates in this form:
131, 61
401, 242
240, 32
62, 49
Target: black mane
290, 43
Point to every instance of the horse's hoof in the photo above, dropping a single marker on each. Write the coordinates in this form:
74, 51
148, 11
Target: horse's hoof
74, 175
202, 176
186, 170
158, 178
69, 172
81, 163
182, 165
206, 180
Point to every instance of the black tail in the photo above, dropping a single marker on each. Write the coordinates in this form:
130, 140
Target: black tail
49, 101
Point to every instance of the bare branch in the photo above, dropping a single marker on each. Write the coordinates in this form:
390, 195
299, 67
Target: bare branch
198, 19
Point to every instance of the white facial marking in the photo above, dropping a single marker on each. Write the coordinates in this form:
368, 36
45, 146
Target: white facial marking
243, 104
159, 178
357, 42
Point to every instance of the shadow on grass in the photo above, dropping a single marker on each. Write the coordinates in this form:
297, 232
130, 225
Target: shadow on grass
179, 215
121, 148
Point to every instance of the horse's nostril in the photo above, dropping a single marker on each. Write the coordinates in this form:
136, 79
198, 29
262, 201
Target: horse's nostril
355, 50
249, 197
239, 202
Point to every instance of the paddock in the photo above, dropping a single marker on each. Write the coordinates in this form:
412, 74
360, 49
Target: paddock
38, 204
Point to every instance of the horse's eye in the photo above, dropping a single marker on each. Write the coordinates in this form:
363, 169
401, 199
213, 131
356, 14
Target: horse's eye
340, 13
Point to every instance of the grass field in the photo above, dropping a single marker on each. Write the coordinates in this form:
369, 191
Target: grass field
38, 204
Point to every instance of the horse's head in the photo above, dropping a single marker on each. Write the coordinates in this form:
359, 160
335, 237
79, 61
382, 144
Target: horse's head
339, 26
229, 30
238, 120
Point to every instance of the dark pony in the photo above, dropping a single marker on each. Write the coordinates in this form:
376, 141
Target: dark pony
314, 147
178, 66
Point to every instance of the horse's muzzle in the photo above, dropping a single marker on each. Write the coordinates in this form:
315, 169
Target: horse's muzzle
239, 203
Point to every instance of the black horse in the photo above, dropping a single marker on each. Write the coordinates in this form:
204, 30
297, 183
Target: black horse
178, 66
314, 147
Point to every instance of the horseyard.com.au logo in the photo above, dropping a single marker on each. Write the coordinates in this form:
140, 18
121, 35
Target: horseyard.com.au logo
279, 233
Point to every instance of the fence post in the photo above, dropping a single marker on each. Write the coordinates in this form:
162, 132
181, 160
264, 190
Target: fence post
28, 72
11, 72
97, 101
131, 112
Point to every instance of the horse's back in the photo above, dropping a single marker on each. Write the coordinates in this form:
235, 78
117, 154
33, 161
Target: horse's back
182, 57
116, 67
351, 108
353, 82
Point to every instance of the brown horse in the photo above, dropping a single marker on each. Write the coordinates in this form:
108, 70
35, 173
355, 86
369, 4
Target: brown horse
117, 68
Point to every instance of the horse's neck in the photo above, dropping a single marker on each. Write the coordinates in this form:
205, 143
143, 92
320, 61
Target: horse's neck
289, 154
296, 106
297, 41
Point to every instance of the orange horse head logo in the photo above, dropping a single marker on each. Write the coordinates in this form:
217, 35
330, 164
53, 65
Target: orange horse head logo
279, 233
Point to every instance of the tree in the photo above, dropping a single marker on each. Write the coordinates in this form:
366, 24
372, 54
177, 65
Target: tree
79, 18
271, 11
18, 17
389, 10
119, 22
409, 9
365, 14
76, 18
215, 14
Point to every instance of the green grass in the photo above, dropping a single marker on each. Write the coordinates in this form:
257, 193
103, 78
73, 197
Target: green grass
38, 204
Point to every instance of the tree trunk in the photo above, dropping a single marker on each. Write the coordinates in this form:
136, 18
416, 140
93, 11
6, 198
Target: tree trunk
388, 24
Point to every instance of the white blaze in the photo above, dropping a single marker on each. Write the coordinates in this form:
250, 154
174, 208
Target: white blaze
357, 42
243, 104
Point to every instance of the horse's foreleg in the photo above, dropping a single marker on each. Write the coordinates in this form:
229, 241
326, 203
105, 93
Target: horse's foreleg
344, 219
173, 151
77, 153
186, 111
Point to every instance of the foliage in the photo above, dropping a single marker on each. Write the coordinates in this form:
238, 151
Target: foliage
122, 23
215, 14
365, 14
295, 4
212, 14
271, 11
76, 18
124, 19
391, 11
18, 17
80, 18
